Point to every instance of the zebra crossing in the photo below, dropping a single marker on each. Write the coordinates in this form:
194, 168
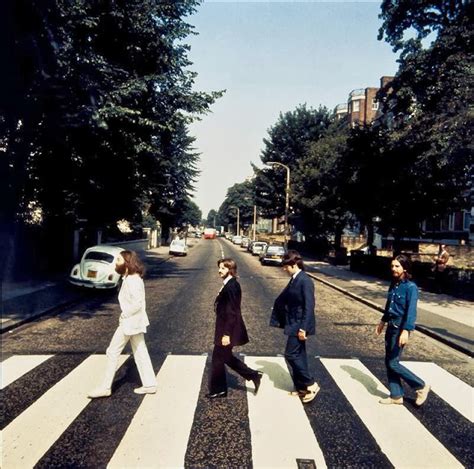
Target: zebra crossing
55, 425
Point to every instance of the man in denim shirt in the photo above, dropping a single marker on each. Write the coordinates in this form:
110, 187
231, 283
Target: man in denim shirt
400, 314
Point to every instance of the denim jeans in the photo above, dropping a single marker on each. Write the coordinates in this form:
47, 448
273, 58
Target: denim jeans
395, 370
295, 354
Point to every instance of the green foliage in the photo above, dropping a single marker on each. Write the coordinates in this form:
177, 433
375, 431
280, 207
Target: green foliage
319, 181
428, 111
287, 142
101, 98
241, 196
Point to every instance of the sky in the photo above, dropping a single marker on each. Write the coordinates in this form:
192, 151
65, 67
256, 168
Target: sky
271, 57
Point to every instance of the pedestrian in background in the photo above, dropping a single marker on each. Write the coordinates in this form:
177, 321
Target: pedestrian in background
230, 331
439, 268
400, 315
293, 311
132, 327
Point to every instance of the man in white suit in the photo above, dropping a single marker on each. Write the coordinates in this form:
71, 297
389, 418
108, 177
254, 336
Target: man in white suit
132, 327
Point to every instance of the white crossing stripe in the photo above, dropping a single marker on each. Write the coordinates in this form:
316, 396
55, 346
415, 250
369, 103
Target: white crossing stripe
15, 367
33, 432
159, 432
455, 392
279, 427
405, 441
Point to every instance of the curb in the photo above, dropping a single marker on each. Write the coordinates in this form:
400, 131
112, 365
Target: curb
421, 329
51, 310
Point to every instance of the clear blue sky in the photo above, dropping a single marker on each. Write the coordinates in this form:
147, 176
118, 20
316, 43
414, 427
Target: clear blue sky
270, 57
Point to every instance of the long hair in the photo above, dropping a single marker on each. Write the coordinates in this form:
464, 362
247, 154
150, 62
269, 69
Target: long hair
405, 262
230, 264
293, 257
133, 263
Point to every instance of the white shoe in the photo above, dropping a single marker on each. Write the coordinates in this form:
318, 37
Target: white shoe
145, 390
389, 400
310, 393
422, 394
99, 392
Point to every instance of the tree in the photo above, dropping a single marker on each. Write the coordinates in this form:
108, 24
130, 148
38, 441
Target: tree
287, 143
241, 196
97, 125
319, 184
212, 219
190, 214
428, 109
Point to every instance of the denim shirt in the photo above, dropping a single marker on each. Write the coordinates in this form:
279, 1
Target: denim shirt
400, 309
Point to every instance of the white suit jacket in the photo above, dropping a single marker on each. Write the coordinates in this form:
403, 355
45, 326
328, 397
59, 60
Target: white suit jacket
132, 303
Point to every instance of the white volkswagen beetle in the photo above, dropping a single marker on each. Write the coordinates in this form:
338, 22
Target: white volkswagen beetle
97, 268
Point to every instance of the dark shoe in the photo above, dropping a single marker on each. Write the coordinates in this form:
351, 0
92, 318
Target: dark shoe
257, 380
216, 395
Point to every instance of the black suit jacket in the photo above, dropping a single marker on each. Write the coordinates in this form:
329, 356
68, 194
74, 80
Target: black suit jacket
229, 316
294, 307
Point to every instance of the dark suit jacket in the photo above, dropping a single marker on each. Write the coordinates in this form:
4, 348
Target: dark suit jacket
229, 316
294, 307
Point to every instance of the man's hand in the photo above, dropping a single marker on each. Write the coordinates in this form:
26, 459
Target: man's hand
225, 340
403, 339
379, 328
301, 334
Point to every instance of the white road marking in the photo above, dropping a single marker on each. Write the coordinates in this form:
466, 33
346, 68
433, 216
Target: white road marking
15, 367
279, 427
33, 432
455, 392
405, 441
159, 432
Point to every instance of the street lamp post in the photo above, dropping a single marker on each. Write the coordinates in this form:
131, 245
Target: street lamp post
287, 198
238, 218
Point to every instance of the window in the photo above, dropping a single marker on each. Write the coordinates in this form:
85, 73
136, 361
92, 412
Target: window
355, 106
99, 256
375, 104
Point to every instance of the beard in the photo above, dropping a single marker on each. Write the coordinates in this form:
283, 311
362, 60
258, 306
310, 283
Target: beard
121, 269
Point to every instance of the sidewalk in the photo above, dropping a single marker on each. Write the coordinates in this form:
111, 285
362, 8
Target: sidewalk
443, 317
24, 301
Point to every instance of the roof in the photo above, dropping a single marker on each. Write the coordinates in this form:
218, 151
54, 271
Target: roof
114, 250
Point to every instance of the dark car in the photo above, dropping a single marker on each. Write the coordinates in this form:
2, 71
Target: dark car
272, 254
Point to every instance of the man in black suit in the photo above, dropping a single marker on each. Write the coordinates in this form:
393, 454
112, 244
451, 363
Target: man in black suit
230, 331
293, 311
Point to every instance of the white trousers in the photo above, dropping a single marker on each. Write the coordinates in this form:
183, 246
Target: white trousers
140, 354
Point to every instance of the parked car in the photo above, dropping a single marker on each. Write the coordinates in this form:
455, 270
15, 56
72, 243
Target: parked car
178, 247
258, 247
97, 268
272, 254
245, 242
237, 240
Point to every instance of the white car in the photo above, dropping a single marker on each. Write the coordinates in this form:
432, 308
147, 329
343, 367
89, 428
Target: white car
97, 268
237, 240
178, 247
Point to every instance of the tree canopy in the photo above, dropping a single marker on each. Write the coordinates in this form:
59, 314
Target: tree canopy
97, 104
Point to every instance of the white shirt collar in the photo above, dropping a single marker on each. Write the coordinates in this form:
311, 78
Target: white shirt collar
227, 279
295, 274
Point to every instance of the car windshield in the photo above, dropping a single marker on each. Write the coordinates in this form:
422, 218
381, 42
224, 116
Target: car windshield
275, 250
99, 256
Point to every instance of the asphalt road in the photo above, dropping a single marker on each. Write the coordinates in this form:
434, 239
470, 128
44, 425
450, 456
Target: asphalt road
180, 297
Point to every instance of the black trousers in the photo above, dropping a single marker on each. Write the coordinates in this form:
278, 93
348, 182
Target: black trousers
295, 354
222, 356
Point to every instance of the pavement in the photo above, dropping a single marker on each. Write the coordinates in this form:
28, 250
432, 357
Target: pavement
446, 318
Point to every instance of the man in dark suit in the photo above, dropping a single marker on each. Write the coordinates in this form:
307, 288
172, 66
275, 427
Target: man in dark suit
293, 311
230, 331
